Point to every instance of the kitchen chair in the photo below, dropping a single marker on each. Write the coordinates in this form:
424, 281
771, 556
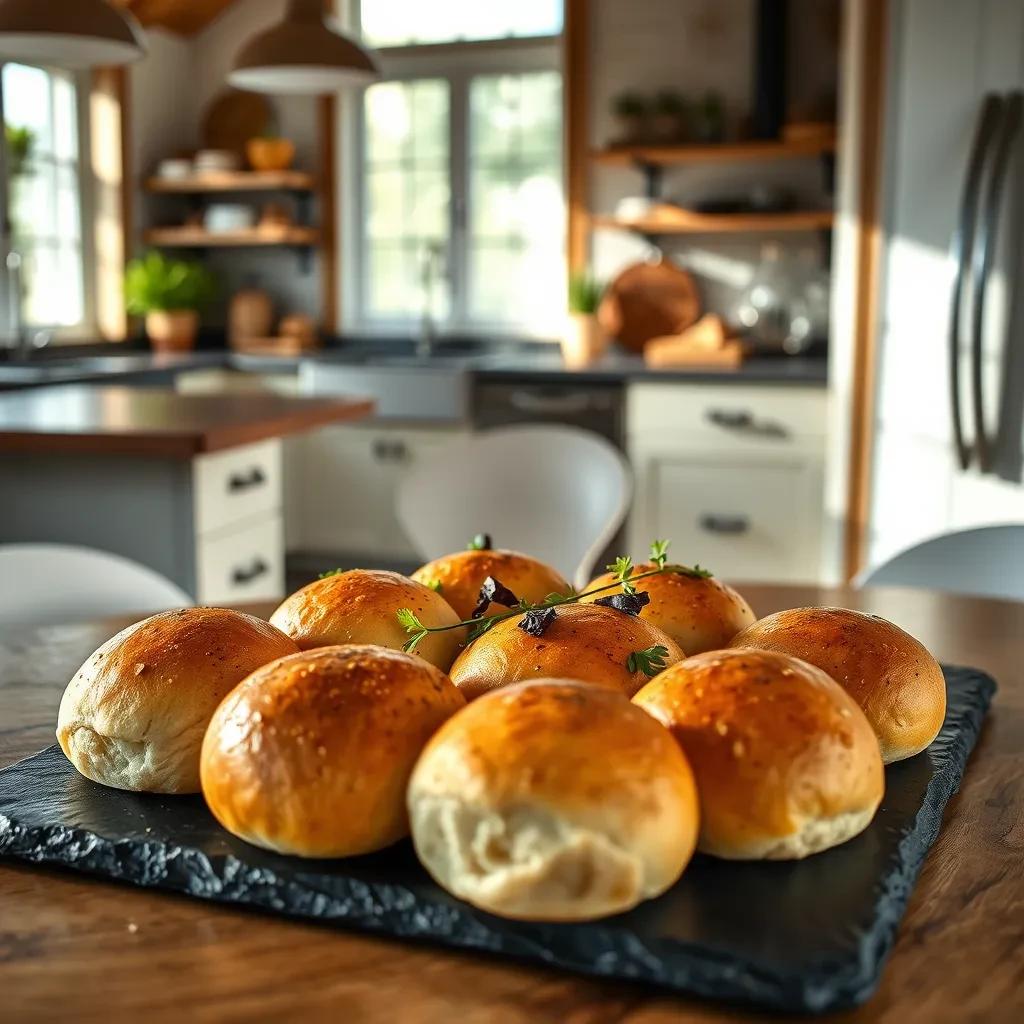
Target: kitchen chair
986, 562
557, 493
47, 584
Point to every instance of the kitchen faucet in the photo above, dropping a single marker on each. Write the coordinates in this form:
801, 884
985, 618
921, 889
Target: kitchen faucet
432, 269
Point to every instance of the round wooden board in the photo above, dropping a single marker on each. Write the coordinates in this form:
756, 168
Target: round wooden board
649, 300
233, 117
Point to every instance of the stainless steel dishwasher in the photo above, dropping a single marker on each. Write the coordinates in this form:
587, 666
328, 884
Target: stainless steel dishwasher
596, 406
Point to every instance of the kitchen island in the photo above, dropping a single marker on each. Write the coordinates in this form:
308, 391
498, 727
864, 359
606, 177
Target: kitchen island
190, 485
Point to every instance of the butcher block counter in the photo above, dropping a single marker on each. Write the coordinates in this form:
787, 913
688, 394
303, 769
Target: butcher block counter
190, 485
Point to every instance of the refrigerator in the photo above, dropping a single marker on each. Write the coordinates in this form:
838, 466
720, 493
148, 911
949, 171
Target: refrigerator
949, 400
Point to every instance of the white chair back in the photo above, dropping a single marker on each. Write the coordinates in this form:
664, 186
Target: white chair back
46, 584
557, 493
987, 561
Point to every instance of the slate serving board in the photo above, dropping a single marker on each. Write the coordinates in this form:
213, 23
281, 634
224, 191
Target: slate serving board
807, 935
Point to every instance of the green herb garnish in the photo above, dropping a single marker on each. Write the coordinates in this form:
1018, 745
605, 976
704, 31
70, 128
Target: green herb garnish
622, 568
481, 542
331, 572
650, 661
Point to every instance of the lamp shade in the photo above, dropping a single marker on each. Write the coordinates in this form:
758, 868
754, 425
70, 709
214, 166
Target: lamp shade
302, 55
68, 33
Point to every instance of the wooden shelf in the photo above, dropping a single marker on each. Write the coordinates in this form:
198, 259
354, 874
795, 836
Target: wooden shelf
726, 152
200, 238
234, 181
686, 222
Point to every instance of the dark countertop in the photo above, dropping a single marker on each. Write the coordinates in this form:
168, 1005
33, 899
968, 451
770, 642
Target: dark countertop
498, 361
156, 422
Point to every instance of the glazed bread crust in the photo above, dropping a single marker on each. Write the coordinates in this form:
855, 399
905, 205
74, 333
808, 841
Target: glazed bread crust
892, 676
785, 761
588, 642
700, 614
460, 576
360, 606
134, 714
311, 754
553, 800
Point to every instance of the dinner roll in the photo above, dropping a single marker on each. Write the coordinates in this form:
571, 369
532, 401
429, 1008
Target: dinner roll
553, 801
311, 755
786, 763
894, 679
582, 641
360, 607
134, 715
459, 577
699, 613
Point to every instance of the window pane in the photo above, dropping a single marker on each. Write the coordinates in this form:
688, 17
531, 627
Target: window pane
65, 117
516, 234
27, 103
401, 22
52, 282
406, 194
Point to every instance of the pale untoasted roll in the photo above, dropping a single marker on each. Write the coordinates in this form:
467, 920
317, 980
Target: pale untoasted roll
553, 801
460, 576
134, 715
786, 763
896, 682
311, 755
585, 642
360, 607
699, 613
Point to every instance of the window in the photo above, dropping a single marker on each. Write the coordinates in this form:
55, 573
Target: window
44, 195
460, 208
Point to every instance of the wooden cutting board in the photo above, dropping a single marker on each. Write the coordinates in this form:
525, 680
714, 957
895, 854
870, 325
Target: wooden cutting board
649, 300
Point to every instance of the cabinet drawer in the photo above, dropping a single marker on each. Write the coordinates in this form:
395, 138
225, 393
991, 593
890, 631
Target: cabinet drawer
742, 520
232, 486
245, 564
726, 415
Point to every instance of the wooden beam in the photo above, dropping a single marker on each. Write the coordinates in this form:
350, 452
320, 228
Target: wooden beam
870, 253
575, 76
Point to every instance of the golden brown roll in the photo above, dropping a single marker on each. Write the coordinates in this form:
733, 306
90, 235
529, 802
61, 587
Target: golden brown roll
699, 613
360, 607
896, 682
553, 801
459, 577
134, 715
785, 762
311, 755
587, 642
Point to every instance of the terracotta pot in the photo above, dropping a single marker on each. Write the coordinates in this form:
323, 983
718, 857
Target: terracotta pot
172, 330
270, 154
584, 341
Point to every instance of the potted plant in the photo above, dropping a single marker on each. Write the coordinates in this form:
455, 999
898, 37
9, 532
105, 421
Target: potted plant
630, 112
668, 116
169, 294
584, 340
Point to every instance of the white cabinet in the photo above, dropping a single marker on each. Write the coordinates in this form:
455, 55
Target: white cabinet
346, 479
732, 475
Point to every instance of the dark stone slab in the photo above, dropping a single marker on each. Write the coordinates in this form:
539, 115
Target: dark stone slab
809, 935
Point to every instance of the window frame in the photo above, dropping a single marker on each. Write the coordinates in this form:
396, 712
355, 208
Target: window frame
84, 329
456, 63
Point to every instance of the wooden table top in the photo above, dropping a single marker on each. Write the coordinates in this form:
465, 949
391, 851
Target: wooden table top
113, 952
156, 421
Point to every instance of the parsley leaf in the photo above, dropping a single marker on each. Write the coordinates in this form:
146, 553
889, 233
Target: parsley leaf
437, 586
650, 661
481, 542
331, 572
659, 552
622, 568
694, 572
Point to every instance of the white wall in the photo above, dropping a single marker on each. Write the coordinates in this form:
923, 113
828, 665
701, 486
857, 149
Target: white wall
692, 46
171, 88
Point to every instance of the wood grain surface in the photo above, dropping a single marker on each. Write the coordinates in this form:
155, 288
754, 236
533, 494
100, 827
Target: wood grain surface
75, 948
156, 421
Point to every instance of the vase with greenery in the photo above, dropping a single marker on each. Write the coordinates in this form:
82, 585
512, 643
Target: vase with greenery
630, 111
669, 116
584, 340
169, 293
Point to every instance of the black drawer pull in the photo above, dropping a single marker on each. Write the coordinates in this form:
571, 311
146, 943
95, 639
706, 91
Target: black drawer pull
724, 524
243, 481
390, 451
256, 569
743, 421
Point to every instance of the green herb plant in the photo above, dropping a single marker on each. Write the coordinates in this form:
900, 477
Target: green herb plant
625, 578
155, 282
20, 142
585, 293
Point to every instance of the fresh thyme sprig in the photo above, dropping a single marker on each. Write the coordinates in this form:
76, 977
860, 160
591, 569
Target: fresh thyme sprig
622, 567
